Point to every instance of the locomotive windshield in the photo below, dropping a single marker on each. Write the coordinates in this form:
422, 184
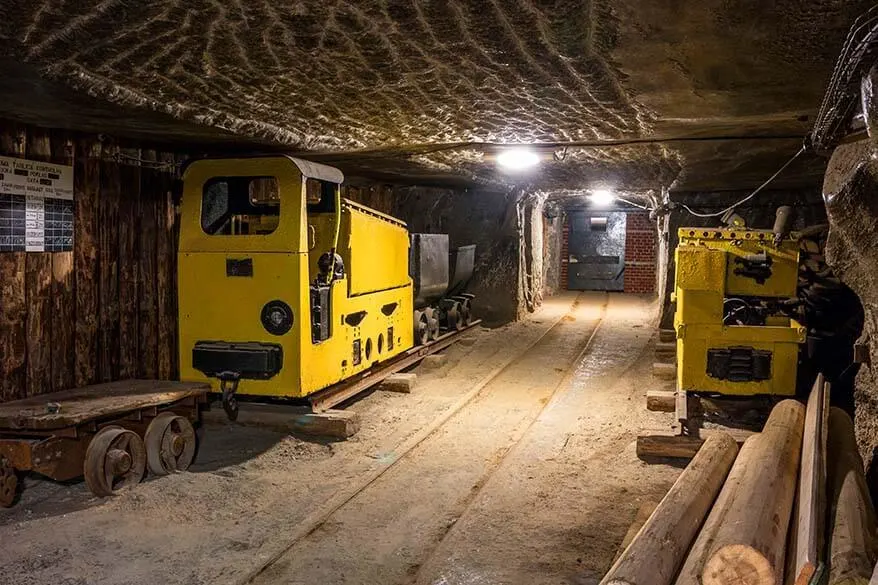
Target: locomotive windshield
240, 206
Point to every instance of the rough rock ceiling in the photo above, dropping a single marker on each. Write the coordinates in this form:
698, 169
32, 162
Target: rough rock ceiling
388, 88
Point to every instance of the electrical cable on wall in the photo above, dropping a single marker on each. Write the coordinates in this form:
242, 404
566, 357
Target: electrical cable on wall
751, 195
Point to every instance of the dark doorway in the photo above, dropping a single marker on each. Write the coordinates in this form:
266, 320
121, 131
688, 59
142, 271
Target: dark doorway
596, 250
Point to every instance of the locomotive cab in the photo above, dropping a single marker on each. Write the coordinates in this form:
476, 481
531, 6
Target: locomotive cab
285, 288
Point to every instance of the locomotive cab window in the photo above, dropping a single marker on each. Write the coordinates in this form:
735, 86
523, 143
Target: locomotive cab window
240, 206
320, 196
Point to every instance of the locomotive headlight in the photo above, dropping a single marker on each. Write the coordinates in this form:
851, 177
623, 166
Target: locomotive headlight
277, 317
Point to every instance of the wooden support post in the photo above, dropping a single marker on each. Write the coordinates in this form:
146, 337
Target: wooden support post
853, 543
86, 189
38, 292
13, 308
108, 261
63, 290
658, 550
166, 252
147, 364
129, 228
749, 546
806, 538
690, 573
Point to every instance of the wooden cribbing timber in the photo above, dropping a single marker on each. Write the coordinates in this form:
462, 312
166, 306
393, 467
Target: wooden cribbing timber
690, 574
749, 544
852, 540
657, 551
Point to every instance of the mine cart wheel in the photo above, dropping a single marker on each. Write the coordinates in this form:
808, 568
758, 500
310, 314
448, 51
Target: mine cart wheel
115, 460
170, 444
8, 484
422, 328
433, 321
452, 317
466, 316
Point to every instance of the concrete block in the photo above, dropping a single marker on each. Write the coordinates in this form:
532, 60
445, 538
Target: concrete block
403, 383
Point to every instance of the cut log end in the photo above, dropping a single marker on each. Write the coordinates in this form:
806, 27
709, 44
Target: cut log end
738, 564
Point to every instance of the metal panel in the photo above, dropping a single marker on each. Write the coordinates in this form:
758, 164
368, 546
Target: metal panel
596, 250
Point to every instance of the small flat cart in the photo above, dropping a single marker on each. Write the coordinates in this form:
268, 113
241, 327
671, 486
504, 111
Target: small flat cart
110, 433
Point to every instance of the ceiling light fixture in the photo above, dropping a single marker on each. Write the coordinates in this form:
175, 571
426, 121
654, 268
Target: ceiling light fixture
602, 197
517, 159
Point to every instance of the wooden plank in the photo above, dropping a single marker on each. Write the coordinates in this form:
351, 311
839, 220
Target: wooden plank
108, 263
147, 322
63, 291
13, 304
661, 400
38, 292
664, 371
78, 405
667, 335
86, 188
808, 520
166, 251
659, 549
667, 443
752, 538
336, 424
129, 226
681, 407
853, 542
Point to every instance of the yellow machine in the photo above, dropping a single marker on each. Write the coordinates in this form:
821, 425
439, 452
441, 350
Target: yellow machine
733, 333
284, 287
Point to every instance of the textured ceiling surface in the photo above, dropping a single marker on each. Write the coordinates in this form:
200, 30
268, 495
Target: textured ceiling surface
390, 88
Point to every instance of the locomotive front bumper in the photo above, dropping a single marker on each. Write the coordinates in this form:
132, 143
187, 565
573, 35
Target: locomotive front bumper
251, 360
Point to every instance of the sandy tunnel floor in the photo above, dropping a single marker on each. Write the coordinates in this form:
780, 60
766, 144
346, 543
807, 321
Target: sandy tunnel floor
534, 480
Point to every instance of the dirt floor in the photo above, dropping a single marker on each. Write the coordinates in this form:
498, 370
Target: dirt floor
512, 463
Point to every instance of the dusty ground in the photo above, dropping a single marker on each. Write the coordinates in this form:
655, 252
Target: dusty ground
533, 481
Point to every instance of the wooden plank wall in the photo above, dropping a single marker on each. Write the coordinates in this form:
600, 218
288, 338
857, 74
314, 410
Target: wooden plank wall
107, 310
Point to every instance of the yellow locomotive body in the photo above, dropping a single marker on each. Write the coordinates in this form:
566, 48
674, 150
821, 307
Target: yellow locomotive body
284, 287
715, 267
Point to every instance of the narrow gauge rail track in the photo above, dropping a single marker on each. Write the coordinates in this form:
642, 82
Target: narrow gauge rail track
320, 516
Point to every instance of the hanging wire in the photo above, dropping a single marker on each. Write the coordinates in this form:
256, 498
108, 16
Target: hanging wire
751, 195
638, 205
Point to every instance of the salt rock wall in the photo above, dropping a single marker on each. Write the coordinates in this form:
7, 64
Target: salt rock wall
850, 189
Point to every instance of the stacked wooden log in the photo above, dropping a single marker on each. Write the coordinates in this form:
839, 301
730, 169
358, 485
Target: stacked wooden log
777, 511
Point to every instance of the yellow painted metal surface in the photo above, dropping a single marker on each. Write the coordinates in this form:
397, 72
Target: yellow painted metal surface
216, 307
706, 260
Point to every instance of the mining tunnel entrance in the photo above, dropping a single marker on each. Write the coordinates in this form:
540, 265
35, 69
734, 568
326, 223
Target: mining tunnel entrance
438, 293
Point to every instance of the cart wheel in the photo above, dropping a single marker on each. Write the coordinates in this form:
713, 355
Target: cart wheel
466, 316
422, 328
433, 322
8, 484
452, 317
115, 460
170, 444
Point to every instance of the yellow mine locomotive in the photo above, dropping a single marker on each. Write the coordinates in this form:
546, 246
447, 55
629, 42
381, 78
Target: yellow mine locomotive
736, 296
286, 288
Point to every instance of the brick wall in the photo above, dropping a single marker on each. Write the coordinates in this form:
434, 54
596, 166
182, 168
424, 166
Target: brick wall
565, 253
640, 254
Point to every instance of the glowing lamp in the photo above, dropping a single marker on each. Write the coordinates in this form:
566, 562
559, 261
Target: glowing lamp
602, 197
517, 159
